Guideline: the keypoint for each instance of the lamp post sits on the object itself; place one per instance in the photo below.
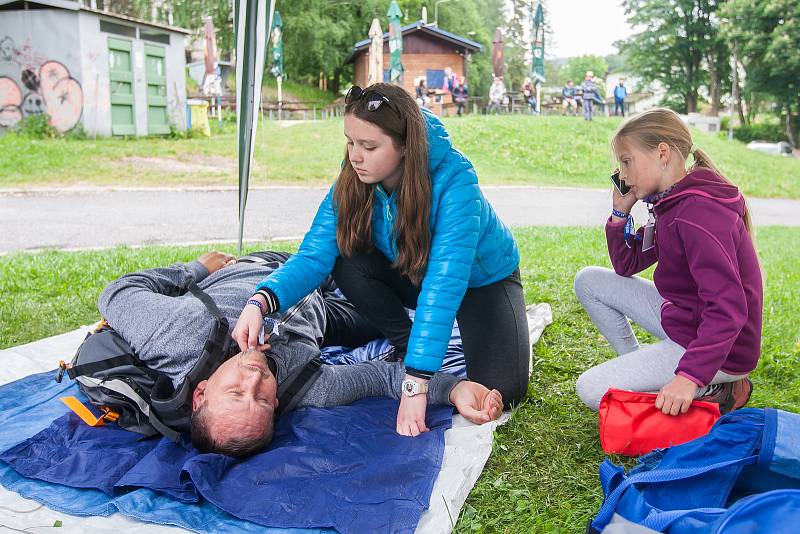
(436, 11)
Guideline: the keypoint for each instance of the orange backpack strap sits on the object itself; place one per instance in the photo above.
(88, 417)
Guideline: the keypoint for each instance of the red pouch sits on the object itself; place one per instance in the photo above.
(631, 425)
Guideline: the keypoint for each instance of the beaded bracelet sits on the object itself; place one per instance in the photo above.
(254, 302)
(620, 214)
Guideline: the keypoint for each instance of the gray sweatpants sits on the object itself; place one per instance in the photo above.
(611, 300)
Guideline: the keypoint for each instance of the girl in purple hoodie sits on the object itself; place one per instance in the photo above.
(705, 302)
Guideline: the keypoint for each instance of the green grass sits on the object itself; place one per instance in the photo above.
(515, 150)
(542, 475)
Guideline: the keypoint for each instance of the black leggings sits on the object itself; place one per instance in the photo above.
(344, 326)
(492, 320)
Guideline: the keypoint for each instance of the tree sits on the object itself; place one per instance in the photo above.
(680, 47)
(554, 72)
(616, 62)
(766, 36)
(191, 14)
(318, 35)
(517, 43)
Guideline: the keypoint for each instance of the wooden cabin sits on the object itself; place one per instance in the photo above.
(427, 52)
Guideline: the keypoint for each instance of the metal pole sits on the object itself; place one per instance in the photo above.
(436, 11)
(734, 93)
(280, 99)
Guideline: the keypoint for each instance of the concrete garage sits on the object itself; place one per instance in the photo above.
(112, 74)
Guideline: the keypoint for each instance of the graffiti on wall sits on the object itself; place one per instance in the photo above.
(47, 87)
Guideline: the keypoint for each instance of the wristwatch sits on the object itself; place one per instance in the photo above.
(412, 387)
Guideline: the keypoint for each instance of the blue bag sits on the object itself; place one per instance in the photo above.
(742, 477)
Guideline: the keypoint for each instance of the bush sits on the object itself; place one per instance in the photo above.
(176, 133)
(37, 127)
(760, 132)
(78, 133)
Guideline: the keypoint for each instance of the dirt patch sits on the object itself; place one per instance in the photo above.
(199, 164)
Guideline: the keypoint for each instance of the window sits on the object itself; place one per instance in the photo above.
(154, 36)
(434, 78)
(117, 29)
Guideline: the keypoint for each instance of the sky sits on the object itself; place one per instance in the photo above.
(585, 27)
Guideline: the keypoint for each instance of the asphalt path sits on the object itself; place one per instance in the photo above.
(91, 218)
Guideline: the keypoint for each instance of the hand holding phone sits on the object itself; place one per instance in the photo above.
(621, 200)
(620, 184)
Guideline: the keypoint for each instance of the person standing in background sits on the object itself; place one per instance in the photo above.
(589, 91)
(620, 93)
(449, 82)
(460, 94)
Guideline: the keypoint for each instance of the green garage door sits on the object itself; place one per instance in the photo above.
(120, 68)
(156, 75)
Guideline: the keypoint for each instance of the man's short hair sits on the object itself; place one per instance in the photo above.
(236, 447)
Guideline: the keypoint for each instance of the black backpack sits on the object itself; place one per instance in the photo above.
(143, 400)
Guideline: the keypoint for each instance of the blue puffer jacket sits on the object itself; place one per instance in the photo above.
(470, 247)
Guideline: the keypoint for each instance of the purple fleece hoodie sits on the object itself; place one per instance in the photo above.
(708, 274)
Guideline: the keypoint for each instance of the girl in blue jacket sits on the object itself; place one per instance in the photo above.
(405, 225)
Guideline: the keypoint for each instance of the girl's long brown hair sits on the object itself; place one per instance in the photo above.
(353, 199)
(661, 125)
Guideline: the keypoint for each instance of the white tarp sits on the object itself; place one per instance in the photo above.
(467, 447)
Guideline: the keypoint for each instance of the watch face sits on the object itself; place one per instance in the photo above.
(408, 387)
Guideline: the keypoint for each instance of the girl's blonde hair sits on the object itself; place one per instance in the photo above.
(660, 125)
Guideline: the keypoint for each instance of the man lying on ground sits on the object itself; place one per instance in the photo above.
(233, 411)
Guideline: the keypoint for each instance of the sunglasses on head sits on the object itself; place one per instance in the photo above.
(372, 97)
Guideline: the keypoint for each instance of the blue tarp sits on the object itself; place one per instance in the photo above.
(453, 362)
(343, 467)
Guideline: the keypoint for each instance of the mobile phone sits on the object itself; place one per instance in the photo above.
(620, 184)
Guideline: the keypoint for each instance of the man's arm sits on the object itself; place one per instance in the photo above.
(344, 384)
(141, 307)
(147, 289)
(150, 288)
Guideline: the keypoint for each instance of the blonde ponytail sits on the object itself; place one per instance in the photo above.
(702, 160)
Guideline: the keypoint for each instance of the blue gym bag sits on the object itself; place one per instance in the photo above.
(742, 477)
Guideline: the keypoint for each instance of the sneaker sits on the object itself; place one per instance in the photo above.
(730, 396)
